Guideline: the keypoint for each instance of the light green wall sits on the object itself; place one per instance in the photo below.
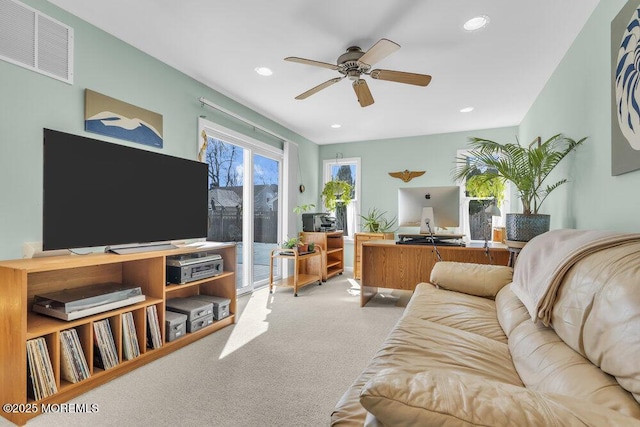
(434, 154)
(30, 102)
(577, 101)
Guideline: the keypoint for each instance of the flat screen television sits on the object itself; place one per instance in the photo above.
(445, 202)
(97, 193)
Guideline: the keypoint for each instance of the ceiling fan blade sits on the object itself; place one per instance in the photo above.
(319, 88)
(362, 92)
(311, 62)
(378, 51)
(401, 77)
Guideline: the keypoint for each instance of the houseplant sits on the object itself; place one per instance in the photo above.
(527, 168)
(336, 192)
(375, 221)
(303, 208)
(337, 195)
(293, 244)
(482, 192)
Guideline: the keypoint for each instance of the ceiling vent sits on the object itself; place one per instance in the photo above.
(35, 41)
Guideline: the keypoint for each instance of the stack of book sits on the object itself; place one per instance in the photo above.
(154, 337)
(105, 353)
(40, 378)
(73, 364)
(130, 347)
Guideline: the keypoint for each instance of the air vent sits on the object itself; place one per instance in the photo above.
(35, 41)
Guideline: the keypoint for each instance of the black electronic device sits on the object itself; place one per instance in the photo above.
(187, 268)
(425, 239)
(98, 193)
(318, 222)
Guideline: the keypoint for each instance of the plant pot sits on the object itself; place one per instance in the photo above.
(303, 248)
(522, 228)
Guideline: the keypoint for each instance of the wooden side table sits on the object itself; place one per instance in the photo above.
(307, 269)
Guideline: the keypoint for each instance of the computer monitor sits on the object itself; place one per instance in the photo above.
(445, 202)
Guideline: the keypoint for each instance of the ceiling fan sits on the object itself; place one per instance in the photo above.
(355, 63)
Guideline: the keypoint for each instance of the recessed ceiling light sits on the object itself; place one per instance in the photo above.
(466, 110)
(264, 71)
(336, 125)
(476, 23)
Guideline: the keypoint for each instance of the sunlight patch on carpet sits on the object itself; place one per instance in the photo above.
(250, 325)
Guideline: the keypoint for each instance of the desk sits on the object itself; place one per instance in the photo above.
(306, 270)
(388, 265)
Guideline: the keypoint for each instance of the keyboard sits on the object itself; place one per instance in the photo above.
(427, 240)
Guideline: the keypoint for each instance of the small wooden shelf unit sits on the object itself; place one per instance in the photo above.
(306, 269)
(332, 244)
(20, 280)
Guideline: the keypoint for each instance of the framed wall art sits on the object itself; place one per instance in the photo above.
(108, 116)
(625, 93)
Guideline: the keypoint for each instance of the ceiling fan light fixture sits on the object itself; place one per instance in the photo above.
(466, 110)
(476, 23)
(263, 71)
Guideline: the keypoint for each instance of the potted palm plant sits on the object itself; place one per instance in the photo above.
(527, 168)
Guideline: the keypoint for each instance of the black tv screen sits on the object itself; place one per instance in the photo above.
(98, 193)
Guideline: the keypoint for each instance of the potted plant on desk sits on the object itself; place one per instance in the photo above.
(527, 168)
(375, 221)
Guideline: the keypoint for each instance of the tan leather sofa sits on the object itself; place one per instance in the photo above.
(468, 351)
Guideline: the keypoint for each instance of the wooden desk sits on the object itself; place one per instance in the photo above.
(388, 265)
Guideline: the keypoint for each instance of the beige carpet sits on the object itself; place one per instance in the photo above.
(286, 362)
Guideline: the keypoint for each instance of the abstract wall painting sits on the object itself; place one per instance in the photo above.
(111, 117)
(625, 89)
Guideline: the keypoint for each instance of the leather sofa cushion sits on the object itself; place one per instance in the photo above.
(510, 310)
(450, 398)
(457, 310)
(546, 364)
(417, 345)
(597, 312)
(474, 279)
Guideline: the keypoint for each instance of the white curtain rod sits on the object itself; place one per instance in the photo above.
(208, 103)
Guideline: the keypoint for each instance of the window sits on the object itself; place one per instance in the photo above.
(346, 170)
(476, 224)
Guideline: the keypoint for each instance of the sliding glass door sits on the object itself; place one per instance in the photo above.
(244, 195)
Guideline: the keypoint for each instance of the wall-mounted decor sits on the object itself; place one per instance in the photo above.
(625, 98)
(406, 175)
(111, 117)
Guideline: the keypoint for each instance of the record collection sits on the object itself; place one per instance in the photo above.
(154, 337)
(73, 364)
(41, 382)
(130, 347)
(105, 353)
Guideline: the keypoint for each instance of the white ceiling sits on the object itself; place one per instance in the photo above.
(499, 70)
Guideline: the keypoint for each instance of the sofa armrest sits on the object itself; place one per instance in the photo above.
(448, 397)
(475, 279)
